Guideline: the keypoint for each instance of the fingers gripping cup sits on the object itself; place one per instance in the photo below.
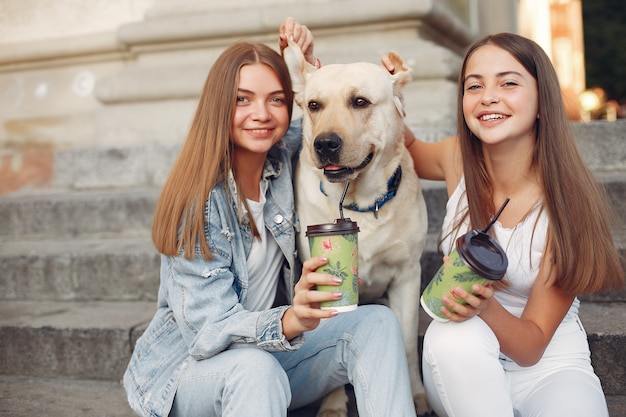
(339, 243)
(477, 259)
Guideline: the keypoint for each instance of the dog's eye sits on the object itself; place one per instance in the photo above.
(313, 105)
(361, 102)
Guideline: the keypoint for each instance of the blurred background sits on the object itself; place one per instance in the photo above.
(111, 73)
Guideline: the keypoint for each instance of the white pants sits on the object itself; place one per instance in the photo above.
(466, 376)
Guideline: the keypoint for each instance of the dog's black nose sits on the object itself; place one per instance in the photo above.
(327, 147)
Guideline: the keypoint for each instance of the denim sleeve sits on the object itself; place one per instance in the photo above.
(293, 137)
(204, 296)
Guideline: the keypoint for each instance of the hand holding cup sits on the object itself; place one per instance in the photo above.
(476, 259)
(305, 314)
(338, 242)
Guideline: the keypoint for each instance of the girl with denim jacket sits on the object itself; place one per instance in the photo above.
(220, 342)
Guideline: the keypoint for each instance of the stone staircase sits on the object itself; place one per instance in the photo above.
(79, 277)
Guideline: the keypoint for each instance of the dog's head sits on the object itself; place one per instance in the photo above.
(352, 113)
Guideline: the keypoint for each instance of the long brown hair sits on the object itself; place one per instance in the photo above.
(579, 232)
(206, 156)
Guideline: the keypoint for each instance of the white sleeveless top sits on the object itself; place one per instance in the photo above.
(524, 245)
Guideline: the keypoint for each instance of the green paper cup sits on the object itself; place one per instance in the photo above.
(339, 243)
(477, 259)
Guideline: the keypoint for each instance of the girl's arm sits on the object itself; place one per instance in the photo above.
(523, 339)
(437, 161)
(433, 161)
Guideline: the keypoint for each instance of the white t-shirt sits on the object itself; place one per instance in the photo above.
(264, 263)
(524, 245)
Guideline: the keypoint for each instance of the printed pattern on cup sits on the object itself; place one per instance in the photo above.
(342, 254)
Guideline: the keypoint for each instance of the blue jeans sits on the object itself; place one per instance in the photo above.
(362, 347)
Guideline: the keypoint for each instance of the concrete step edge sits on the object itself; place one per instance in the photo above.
(121, 269)
(601, 144)
(68, 214)
(94, 340)
(91, 340)
(27, 397)
(91, 245)
(80, 270)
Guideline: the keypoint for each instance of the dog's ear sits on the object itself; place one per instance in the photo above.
(402, 73)
(400, 77)
(299, 70)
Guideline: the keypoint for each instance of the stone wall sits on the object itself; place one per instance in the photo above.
(78, 73)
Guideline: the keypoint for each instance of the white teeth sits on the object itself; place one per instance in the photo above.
(259, 130)
(491, 117)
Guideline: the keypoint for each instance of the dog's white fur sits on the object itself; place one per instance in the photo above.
(359, 107)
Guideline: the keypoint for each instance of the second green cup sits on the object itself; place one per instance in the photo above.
(476, 259)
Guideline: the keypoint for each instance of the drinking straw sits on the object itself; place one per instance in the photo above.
(493, 220)
(343, 196)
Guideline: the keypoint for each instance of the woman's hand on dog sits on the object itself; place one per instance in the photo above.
(291, 29)
(386, 63)
(305, 313)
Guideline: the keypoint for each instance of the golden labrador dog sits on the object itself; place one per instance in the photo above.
(353, 123)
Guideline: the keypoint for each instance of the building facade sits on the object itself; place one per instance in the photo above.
(108, 73)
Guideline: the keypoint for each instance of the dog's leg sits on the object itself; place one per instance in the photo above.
(334, 404)
(404, 301)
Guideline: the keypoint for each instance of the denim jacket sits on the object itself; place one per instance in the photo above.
(199, 308)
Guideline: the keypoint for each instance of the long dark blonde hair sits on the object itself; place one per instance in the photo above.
(579, 232)
(206, 157)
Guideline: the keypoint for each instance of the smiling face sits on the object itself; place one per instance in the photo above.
(500, 98)
(261, 113)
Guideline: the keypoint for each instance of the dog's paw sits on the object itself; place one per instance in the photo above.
(334, 404)
(422, 408)
(333, 413)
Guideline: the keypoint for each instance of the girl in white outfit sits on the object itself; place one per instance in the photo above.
(517, 348)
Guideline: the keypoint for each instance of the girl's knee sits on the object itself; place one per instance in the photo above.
(378, 314)
(569, 393)
(380, 319)
(461, 341)
(261, 367)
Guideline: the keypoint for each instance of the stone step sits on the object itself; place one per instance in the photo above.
(119, 270)
(69, 214)
(70, 340)
(80, 276)
(117, 166)
(605, 324)
(73, 214)
(26, 397)
(79, 270)
(602, 145)
(93, 340)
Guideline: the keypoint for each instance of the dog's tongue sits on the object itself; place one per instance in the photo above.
(332, 168)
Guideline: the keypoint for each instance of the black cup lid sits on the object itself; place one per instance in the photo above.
(340, 227)
(483, 254)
